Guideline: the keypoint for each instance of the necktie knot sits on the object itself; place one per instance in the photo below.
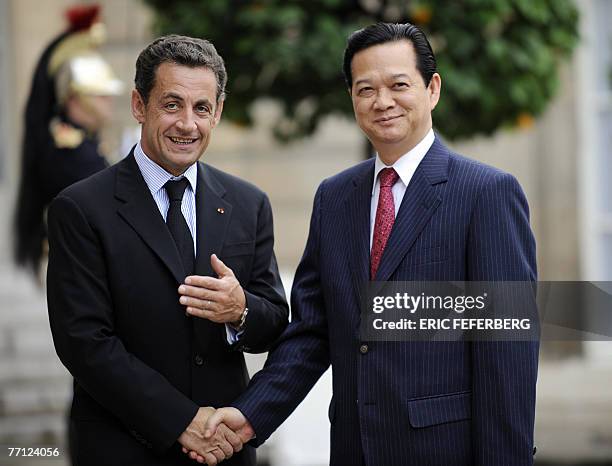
(176, 189)
(388, 177)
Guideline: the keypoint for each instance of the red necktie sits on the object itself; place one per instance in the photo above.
(385, 217)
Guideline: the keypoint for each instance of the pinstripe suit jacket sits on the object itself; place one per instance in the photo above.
(408, 403)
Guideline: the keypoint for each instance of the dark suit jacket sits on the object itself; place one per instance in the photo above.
(408, 403)
(141, 367)
(59, 167)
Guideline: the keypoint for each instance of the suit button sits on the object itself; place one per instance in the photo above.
(363, 349)
(199, 360)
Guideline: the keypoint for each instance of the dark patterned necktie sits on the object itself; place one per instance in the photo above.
(385, 217)
(177, 225)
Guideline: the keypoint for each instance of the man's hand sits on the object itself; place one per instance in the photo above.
(220, 299)
(218, 446)
(230, 418)
(233, 419)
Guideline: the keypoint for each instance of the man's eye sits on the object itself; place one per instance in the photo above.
(365, 91)
(203, 109)
(171, 106)
(400, 85)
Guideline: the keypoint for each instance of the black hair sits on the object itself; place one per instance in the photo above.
(381, 33)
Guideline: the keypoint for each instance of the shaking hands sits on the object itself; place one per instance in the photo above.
(214, 436)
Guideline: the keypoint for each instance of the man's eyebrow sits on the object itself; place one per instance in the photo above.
(171, 95)
(203, 102)
(175, 96)
(362, 81)
(394, 76)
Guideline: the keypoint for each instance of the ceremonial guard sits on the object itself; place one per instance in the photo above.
(70, 101)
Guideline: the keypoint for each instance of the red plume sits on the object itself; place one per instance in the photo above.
(81, 17)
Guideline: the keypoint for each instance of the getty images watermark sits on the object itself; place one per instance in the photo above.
(457, 304)
(486, 311)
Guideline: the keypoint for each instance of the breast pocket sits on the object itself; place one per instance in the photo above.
(239, 258)
(430, 255)
(243, 248)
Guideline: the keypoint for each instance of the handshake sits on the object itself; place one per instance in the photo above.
(215, 435)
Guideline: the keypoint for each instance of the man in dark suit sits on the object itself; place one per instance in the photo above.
(417, 212)
(122, 243)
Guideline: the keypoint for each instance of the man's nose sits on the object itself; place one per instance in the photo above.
(384, 99)
(186, 122)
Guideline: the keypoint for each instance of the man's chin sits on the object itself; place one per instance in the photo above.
(388, 139)
(185, 152)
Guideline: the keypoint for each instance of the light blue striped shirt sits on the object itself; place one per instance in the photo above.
(156, 177)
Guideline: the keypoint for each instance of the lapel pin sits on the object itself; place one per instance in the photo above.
(221, 210)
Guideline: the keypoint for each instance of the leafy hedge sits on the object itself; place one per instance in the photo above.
(498, 59)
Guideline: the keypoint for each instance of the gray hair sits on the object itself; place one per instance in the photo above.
(181, 50)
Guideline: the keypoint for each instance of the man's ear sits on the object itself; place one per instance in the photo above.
(218, 112)
(434, 89)
(138, 107)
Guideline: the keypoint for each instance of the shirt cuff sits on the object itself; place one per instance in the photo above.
(232, 335)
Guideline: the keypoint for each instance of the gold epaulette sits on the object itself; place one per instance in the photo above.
(65, 135)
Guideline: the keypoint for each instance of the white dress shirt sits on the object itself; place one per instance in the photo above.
(405, 167)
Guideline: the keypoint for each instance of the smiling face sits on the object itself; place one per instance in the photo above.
(392, 104)
(179, 117)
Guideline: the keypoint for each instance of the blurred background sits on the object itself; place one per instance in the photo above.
(527, 87)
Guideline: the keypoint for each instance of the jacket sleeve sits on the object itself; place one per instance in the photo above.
(301, 354)
(501, 248)
(265, 296)
(82, 323)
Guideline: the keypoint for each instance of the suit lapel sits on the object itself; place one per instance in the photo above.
(142, 214)
(357, 225)
(213, 218)
(418, 205)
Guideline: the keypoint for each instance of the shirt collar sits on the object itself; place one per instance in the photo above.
(156, 177)
(406, 165)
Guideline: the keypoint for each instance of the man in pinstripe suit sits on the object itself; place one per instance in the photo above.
(416, 212)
